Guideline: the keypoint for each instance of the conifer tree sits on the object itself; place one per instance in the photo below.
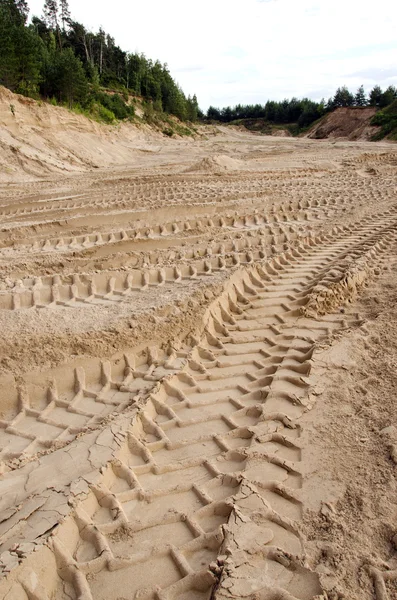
(23, 9)
(64, 13)
(375, 96)
(50, 13)
(343, 97)
(388, 96)
(360, 98)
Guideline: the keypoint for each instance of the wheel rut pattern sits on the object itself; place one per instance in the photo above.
(215, 448)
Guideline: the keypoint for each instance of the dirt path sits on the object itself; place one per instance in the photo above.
(162, 358)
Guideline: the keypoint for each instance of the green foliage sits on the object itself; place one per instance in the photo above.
(360, 98)
(343, 97)
(388, 96)
(288, 111)
(182, 130)
(375, 96)
(58, 58)
(192, 108)
(64, 77)
(387, 120)
(256, 125)
(382, 99)
(149, 114)
(101, 113)
(297, 115)
(20, 49)
(116, 104)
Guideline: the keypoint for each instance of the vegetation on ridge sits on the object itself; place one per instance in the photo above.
(297, 115)
(58, 59)
(387, 120)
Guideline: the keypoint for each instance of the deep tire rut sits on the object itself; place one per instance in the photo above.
(202, 497)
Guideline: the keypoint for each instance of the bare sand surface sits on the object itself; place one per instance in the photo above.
(198, 364)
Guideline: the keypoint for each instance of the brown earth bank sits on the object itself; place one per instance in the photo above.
(197, 364)
(345, 123)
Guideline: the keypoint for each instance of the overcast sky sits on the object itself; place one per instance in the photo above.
(229, 51)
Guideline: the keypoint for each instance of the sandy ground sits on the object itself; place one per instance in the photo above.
(198, 369)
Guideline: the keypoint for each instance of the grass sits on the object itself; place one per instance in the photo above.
(113, 109)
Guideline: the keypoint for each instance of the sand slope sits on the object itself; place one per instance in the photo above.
(40, 139)
(345, 123)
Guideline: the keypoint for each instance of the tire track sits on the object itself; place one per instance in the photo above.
(204, 488)
(293, 211)
(55, 416)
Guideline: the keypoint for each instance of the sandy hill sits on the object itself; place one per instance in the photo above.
(348, 123)
(37, 139)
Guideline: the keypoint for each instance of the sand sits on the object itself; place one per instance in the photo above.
(197, 365)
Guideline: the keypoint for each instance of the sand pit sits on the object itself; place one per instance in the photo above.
(197, 368)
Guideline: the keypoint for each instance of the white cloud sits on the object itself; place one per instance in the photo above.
(228, 51)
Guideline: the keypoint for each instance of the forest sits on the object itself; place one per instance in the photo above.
(58, 59)
(55, 58)
(303, 112)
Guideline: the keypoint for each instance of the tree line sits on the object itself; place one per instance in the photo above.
(57, 58)
(303, 112)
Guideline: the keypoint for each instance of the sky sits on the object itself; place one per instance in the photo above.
(229, 52)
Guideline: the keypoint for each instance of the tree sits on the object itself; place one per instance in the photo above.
(58, 57)
(311, 112)
(9, 18)
(78, 37)
(20, 49)
(388, 96)
(23, 9)
(213, 114)
(360, 97)
(70, 78)
(343, 97)
(29, 54)
(192, 108)
(102, 42)
(375, 96)
(65, 15)
(50, 13)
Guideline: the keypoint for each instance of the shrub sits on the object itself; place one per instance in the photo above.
(101, 113)
(387, 120)
(116, 105)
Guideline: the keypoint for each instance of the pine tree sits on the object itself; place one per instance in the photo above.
(8, 56)
(32, 60)
(360, 98)
(375, 96)
(29, 54)
(388, 96)
(50, 13)
(70, 78)
(23, 9)
(343, 97)
(64, 13)
(102, 45)
(20, 49)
